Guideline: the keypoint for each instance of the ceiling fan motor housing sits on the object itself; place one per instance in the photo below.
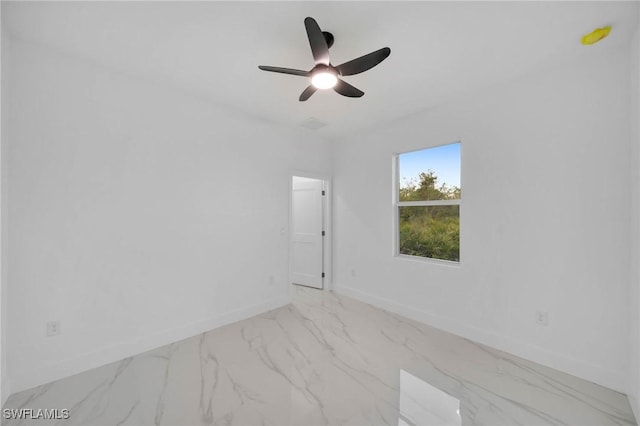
(325, 68)
(328, 37)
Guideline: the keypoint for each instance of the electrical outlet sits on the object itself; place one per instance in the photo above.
(542, 318)
(272, 280)
(53, 328)
(353, 272)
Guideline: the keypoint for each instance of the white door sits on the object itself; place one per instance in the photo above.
(307, 233)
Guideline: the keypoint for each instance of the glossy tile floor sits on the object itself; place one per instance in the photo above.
(326, 359)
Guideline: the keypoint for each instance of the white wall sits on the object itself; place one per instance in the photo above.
(137, 215)
(544, 225)
(634, 296)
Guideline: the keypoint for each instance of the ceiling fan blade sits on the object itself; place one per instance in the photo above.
(364, 63)
(345, 89)
(319, 48)
(284, 70)
(307, 93)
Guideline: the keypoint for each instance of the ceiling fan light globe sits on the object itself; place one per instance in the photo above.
(324, 80)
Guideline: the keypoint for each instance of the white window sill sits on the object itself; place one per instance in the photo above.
(428, 260)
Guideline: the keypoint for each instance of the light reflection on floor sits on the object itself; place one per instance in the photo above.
(424, 404)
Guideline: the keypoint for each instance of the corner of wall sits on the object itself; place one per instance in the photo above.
(633, 389)
(4, 380)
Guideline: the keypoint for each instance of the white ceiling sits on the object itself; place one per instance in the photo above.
(213, 49)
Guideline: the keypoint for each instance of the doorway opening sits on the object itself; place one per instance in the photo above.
(309, 232)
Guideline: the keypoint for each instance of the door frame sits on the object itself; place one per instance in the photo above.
(327, 259)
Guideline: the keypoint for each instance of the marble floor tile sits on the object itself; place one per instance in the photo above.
(325, 359)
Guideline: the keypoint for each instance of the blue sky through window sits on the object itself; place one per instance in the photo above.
(443, 160)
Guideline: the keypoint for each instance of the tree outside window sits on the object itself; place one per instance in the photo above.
(428, 203)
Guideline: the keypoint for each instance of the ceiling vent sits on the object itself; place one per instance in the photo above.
(313, 123)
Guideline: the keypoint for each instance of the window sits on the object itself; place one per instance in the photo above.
(427, 203)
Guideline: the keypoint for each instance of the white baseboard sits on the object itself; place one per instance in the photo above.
(23, 380)
(612, 379)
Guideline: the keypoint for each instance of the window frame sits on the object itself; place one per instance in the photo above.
(397, 204)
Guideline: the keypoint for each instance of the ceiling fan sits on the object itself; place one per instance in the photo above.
(324, 75)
